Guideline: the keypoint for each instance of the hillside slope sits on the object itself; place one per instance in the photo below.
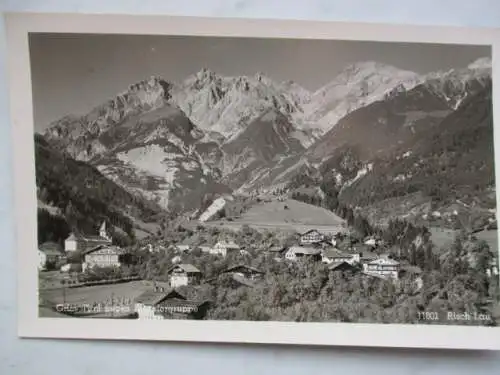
(72, 195)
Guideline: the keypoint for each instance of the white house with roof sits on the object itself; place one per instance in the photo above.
(329, 256)
(311, 237)
(184, 274)
(224, 247)
(79, 242)
(103, 256)
(146, 304)
(295, 253)
(384, 267)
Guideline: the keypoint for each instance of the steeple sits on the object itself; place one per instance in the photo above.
(103, 231)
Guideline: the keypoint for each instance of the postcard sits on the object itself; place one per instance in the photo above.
(255, 181)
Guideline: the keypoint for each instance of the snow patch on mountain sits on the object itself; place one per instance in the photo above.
(213, 209)
(151, 159)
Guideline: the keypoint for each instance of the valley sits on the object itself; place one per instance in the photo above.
(378, 189)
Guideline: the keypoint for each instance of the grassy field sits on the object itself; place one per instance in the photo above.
(491, 238)
(444, 237)
(96, 293)
(297, 216)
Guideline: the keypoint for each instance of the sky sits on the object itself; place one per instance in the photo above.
(73, 73)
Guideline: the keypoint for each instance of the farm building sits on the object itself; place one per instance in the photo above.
(102, 256)
(164, 303)
(311, 237)
(383, 266)
(79, 242)
(245, 271)
(223, 247)
(298, 252)
(329, 256)
(184, 274)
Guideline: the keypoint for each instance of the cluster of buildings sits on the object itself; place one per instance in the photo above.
(96, 251)
(171, 300)
(316, 246)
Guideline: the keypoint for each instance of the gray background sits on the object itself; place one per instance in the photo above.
(80, 357)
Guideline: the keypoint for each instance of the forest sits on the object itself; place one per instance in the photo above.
(82, 197)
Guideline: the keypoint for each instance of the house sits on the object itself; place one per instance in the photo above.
(493, 268)
(223, 247)
(311, 237)
(384, 267)
(183, 274)
(187, 245)
(146, 304)
(102, 256)
(49, 253)
(298, 252)
(78, 242)
(245, 271)
(329, 256)
(342, 267)
(372, 242)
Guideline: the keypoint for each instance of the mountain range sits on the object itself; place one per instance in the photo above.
(175, 143)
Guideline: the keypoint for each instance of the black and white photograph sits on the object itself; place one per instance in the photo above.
(274, 180)
(264, 180)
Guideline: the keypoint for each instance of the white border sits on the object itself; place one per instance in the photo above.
(340, 334)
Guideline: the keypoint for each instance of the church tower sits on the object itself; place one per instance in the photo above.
(103, 231)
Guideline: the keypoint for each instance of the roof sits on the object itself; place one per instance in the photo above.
(116, 249)
(310, 231)
(305, 250)
(243, 281)
(177, 302)
(95, 238)
(231, 269)
(50, 248)
(186, 268)
(153, 297)
(336, 265)
(368, 255)
(228, 244)
(277, 249)
(336, 253)
(386, 261)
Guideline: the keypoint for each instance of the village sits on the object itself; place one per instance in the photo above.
(92, 277)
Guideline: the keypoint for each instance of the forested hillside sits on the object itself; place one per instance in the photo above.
(72, 195)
